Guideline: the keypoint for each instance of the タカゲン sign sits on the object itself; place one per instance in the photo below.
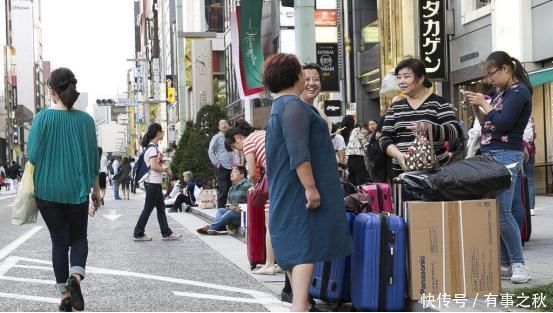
(433, 38)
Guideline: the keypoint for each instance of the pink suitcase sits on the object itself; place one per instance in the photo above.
(380, 197)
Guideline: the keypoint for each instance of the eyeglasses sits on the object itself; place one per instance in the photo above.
(493, 73)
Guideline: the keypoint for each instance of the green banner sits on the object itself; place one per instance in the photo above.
(251, 52)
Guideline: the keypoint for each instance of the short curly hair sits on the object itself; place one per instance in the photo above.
(281, 71)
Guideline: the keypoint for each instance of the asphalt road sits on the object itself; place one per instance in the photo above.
(123, 275)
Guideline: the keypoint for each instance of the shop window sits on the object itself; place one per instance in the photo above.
(472, 10)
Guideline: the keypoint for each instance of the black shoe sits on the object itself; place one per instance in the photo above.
(286, 296)
(75, 295)
(65, 305)
(314, 309)
(187, 209)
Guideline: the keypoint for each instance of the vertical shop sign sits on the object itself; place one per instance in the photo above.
(327, 59)
(251, 51)
(433, 40)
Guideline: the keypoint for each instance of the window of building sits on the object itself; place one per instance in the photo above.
(369, 36)
(214, 15)
(472, 10)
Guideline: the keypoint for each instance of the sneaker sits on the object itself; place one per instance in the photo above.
(521, 274)
(172, 237)
(216, 232)
(278, 270)
(143, 238)
(232, 229)
(532, 213)
(203, 230)
(506, 272)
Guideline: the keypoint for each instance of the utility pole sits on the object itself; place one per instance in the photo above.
(304, 15)
(181, 77)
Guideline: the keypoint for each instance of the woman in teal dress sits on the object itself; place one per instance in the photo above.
(62, 147)
(306, 215)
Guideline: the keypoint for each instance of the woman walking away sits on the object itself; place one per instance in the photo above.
(152, 183)
(306, 215)
(124, 178)
(62, 147)
(503, 122)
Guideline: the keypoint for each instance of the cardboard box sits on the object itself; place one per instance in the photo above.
(453, 248)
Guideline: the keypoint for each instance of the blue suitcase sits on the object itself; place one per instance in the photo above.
(331, 279)
(378, 263)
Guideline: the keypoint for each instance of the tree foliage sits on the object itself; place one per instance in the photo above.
(192, 150)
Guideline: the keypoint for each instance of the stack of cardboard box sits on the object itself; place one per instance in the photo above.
(453, 248)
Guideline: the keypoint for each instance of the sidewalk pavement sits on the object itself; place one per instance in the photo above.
(538, 253)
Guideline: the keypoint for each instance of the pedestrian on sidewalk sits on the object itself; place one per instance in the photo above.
(62, 146)
(133, 173)
(419, 107)
(116, 174)
(2, 176)
(529, 138)
(243, 137)
(13, 175)
(103, 172)
(306, 216)
(227, 219)
(503, 122)
(152, 183)
(125, 177)
(186, 194)
(222, 163)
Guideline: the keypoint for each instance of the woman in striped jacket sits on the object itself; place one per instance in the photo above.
(422, 107)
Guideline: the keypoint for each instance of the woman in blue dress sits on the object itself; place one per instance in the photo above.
(306, 215)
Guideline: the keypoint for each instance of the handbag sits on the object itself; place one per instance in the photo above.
(25, 210)
(260, 193)
(420, 154)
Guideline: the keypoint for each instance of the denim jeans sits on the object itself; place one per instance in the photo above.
(225, 217)
(510, 207)
(529, 171)
(67, 224)
(116, 189)
(154, 198)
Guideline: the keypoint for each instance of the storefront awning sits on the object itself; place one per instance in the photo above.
(541, 77)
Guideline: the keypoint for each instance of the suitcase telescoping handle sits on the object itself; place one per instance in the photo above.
(397, 184)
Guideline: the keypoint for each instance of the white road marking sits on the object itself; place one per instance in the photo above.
(28, 280)
(260, 296)
(4, 252)
(267, 300)
(112, 215)
(31, 298)
(7, 197)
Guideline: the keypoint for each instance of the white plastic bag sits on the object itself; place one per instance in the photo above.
(390, 85)
(25, 210)
(208, 199)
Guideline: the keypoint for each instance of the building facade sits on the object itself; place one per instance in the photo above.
(30, 87)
